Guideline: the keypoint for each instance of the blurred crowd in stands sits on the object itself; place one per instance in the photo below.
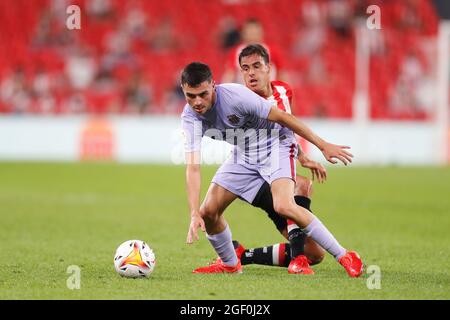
(127, 57)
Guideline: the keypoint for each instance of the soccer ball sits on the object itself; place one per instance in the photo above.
(134, 259)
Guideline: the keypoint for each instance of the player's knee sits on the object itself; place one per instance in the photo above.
(209, 212)
(314, 252)
(316, 258)
(303, 187)
(284, 208)
(284, 233)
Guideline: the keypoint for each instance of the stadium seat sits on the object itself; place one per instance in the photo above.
(194, 28)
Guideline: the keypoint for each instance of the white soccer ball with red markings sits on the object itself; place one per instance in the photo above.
(134, 259)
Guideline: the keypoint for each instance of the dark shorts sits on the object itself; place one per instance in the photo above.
(264, 200)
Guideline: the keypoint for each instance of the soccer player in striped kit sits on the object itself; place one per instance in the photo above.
(234, 111)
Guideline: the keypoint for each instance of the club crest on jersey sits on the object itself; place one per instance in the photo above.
(234, 119)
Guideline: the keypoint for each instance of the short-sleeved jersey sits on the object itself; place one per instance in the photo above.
(237, 110)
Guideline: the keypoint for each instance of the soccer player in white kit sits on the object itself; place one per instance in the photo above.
(230, 110)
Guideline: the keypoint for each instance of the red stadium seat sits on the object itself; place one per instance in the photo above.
(193, 27)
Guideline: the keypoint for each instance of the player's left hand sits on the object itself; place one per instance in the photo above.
(196, 222)
(318, 171)
(331, 152)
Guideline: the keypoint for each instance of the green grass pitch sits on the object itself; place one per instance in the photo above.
(57, 215)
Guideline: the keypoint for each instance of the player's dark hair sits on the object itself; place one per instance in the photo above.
(252, 21)
(254, 49)
(195, 73)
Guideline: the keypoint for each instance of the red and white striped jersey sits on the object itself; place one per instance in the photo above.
(282, 98)
(282, 95)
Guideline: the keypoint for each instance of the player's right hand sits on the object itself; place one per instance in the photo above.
(332, 151)
(196, 222)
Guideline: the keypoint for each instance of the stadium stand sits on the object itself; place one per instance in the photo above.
(128, 54)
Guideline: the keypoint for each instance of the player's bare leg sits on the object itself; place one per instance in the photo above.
(300, 258)
(304, 189)
(313, 252)
(285, 205)
(283, 199)
(217, 199)
(218, 233)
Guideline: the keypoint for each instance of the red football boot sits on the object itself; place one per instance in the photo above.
(352, 264)
(219, 267)
(300, 265)
(239, 251)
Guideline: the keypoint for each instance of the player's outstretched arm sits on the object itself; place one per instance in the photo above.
(193, 179)
(330, 151)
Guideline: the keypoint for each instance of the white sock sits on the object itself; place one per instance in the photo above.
(320, 234)
(222, 243)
